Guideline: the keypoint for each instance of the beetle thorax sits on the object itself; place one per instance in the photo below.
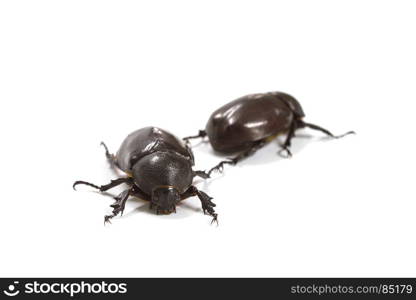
(163, 169)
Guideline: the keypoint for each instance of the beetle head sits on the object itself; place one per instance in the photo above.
(164, 199)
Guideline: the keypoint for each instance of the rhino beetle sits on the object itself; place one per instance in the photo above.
(159, 169)
(246, 124)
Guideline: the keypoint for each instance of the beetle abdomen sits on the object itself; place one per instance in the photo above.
(294, 104)
(238, 124)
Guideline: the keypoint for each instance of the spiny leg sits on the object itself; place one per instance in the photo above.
(201, 174)
(220, 166)
(288, 141)
(118, 206)
(302, 124)
(201, 134)
(233, 161)
(105, 187)
(207, 204)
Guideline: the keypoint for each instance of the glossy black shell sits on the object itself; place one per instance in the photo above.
(162, 169)
(148, 140)
(236, 125)
(156, 158)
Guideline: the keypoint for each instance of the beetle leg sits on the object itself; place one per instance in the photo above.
(201, 134)
(220, 166)
(302, 124)
(233, 161)
(118, 206)
(287, 143)
(110, 157)
(201, 174)
(105, 187)
(207, 204)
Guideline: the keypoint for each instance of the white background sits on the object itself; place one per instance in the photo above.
(73, 73)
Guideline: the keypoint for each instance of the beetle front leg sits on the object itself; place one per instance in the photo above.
(201, 134)
(119, 205)
(207, 204)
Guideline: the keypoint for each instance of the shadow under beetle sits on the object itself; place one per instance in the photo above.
(159, 169)
(246, 124)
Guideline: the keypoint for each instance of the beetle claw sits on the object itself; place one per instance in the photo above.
(107, 219)
(287, 155)
(214, 219)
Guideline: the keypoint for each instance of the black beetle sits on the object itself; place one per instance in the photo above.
(159, 169)
(248, 123)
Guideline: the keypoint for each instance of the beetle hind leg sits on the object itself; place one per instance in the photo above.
(301, 124)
